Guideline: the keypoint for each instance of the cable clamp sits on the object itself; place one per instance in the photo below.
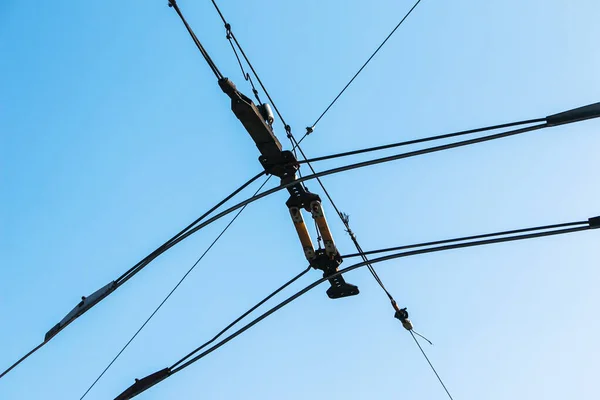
(309, 130)
(402, 315)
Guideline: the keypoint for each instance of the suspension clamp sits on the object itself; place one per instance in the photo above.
(339, 287)
(402, 315)
(281, 165)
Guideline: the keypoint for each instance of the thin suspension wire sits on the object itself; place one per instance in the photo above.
(421, 336)
(310, 129)
(172, 291)
(230, 32)
(146, 260)
(246, 75)
(244, 315)
(209, 61)
(359, 265)
(431, 365)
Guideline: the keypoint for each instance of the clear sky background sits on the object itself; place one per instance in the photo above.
(115, 135)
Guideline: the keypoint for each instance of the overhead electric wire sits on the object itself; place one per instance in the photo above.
(141, 264)
(36, 348)
(209, 61)
(593, 223)
(550, 122)
(175, 239)
(423, 140)
(462, 239)
(362, 165)
(311, 128)
(355, 166)
(430, 364)
(244, 315)
(172, 291)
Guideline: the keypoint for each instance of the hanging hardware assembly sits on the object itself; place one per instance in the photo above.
(258, 121)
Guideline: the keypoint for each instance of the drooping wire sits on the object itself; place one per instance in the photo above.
(312, 127)
(431, 365)
(421, 336)
(172, 291)
(179, 366)
(209, 61)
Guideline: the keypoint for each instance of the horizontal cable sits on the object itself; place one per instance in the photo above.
(437, 242)
(423, 140)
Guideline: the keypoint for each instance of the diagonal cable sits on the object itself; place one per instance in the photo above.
(431, 365)
(310, 129)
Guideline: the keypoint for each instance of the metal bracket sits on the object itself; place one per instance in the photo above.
(339, 287)
(143, 384)
(85, 304)
(252, 119)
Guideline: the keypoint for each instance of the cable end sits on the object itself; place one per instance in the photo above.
(594, 222)
(143, 384)
(574, 115)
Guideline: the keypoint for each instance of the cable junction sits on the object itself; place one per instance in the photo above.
(566, 117)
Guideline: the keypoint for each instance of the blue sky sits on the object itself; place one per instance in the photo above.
(115, 135)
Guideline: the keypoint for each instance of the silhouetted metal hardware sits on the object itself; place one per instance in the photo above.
(402, 315)
(594, 222)
(283, 164)
(574, 115)
(143, 384)
(252, 119)
(329, 266)
(85, 304)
